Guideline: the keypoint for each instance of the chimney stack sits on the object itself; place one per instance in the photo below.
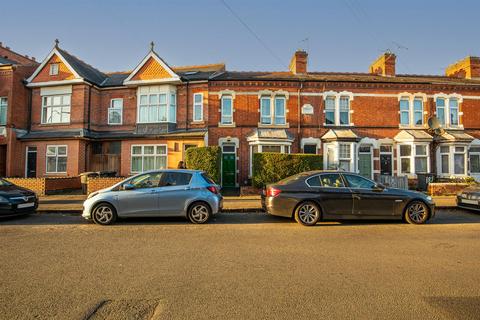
(298, 64)
(384, 65)
(467, 68)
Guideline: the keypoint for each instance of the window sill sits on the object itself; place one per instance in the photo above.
(404, 126)
(198, 122)
(54, 124)
(115, 124)
(225, 125)
(338, 125)
(278, 126)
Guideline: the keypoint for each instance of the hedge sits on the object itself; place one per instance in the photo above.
(206, 159)
(273, 167)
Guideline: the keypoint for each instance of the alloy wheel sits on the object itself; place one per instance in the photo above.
(308, 214)
(103, 214)
(200, 213)
(417, 212)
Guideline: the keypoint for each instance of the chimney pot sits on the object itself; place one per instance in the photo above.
(298, 63)
(384, 65)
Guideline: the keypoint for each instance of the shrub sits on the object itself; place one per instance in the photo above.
(273, 167)
(206, 159)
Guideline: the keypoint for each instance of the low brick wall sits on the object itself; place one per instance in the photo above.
(94, 184)
(37, 185)
(53, 185)
(250, 191)
(446, 188)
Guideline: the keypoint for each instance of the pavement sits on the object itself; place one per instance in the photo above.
(239, 266)
(72, 203)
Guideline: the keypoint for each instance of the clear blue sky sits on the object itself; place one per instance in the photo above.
(344, 35)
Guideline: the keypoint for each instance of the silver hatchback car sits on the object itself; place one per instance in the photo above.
(160, 193)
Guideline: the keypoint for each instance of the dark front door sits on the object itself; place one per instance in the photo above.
(228, 170)
(386, 164)
(31, 169)
(3, 161)
(368, 200)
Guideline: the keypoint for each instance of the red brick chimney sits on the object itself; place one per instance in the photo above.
(298, 64)
(466, 68)
(384, 65)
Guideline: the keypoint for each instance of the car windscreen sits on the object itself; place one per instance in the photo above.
(4, 183)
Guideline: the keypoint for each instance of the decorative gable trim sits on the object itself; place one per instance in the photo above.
(152, 55)
(44, 63)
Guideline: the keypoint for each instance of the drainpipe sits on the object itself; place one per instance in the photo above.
(186, 106)
(299, 120)
(87, 142)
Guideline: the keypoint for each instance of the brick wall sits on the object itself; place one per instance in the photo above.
(443, 189)
(37, 185)
(95, 184)
(53, 185)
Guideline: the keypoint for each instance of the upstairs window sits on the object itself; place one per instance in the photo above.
(411, 111)
(3, 111)
(337, 110)
(226, 110)
(273, 111)
(54, 69)
(448, 110)
(56, 109)
(157, 108)
(198, 107)
(115, 112)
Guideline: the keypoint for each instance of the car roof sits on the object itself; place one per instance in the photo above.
(173, 170)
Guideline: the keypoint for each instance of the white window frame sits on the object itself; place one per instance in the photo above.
(56, 158)
(411, 157)
(45, 98)
(170, 106)
(337, 97)
(451, 159)
(447, 109)
(335, 147)
(411, 98)
(197, 105)
(3, 108)
(143, 155)
(54, 69)
(222, 115)
(118, 109)
(475, 153)
(272, 116)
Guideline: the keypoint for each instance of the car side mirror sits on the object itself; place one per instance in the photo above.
(128, 186)
(378, 187)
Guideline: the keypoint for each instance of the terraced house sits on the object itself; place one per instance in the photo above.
(374, 123)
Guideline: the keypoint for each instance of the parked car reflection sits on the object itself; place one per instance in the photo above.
(313, 196)
(162, 193)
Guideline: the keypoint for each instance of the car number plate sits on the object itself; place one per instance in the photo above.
(469, 201)
(25, 205)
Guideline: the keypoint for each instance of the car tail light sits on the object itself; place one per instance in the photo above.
(272, 192)
(213, 189)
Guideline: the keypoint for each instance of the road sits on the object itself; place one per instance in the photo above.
(240, 266)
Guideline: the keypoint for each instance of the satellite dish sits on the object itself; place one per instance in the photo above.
(434, 123)
(439, 131)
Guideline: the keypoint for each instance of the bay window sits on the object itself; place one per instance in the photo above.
(273, 110)
(474, 153)
(226, 110)
(56, 109)
(148, 157)
(3, 111)
(413, 158)
(157, 107)
(115, 112)
(444, 159)
(344, 157)
(452, 160)
(198, 107)
(459, 160)
(56, 157)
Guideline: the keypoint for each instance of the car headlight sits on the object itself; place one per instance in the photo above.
(93, 194)
(429, 198)
(3, 200)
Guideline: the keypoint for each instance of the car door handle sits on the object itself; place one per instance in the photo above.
(357, 197)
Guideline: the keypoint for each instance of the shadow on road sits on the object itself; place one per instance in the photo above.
(443, 216)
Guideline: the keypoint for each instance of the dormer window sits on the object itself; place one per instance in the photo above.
(54, 69)
(157, 104)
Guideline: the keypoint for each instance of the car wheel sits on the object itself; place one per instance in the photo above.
(199, 212)
(104, 214)
(307, 213)
(416, 212)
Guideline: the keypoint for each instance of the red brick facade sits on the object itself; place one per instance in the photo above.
(353, 120)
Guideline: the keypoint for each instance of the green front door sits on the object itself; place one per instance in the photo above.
(228, 170)
(365, 165)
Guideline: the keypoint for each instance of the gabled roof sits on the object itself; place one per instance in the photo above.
(455, 136)
(340, 134)
(413, 135)
(270, 134)
(164, 71)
